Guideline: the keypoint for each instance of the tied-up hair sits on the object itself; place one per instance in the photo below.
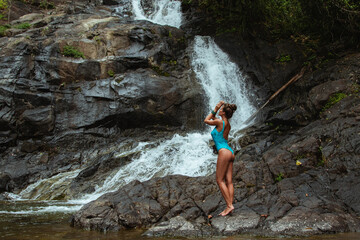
(229, 109)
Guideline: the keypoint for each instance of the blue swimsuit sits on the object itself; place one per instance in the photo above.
(220, 141)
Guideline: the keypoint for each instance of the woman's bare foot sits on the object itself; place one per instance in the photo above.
(227, 211)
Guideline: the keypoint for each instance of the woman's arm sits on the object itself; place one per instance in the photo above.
(211, 119)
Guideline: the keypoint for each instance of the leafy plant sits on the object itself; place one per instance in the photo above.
(284, 58)
(3, 29)
(3, 4)
(111, 73)
(70, 51)
(279, 177)
(24, 25)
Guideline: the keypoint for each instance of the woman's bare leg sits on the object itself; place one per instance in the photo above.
(224, 171)
(230, 187)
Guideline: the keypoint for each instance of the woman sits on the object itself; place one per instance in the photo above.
(224, 166)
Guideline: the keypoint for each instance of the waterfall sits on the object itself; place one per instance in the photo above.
(186, 155)
(163, 12)
(221, 79)
(190, 155)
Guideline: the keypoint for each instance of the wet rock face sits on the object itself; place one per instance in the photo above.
(295, 174)
(126, 76)
(289, 179)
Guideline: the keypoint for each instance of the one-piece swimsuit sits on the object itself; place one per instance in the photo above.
(220, 141)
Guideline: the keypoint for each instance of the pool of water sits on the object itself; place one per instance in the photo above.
(49, 220)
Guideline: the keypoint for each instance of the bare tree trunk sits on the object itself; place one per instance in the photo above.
(9, 9)
(292, 80)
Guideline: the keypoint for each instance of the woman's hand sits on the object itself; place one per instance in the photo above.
(218, 106)
(211, 118)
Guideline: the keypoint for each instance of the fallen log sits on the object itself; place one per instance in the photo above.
(292, 80)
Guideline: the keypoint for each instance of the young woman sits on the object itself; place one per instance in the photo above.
(224, 165)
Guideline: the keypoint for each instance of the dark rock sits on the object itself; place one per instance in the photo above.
(298, 182)
(4, 183)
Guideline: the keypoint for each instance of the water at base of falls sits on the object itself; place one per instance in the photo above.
(55, 226)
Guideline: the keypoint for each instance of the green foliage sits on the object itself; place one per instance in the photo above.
(279, 177)
(284, 58)
(111, 73)
(70, 51)
(334, 18)
(24, 25)
(327, 20)
(3, 29)
(3, 4)
(333, 100)
(98, 39)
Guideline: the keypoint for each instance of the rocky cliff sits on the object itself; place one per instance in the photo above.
(296, 173)
(77, 79)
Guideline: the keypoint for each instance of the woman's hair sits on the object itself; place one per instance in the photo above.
(229, 109)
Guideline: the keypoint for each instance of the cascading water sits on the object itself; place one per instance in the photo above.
(163, 12)
(186, 155)
(190, 155)
(221, 79)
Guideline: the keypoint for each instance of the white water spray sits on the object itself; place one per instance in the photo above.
(164, 12)
(221, 79)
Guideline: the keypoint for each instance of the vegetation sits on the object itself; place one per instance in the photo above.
(333, 100)
(3, 4)
(284, 58)
(111, 73)
(70, 51)
(24, 25)
(279, 177)
(3, 28)
(324, 20)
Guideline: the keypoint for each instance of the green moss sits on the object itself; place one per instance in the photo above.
(24, 25)
(70, 51)
(284, 58)
(279, 177)
(111, 73)
(3, 29)
(333, 100)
